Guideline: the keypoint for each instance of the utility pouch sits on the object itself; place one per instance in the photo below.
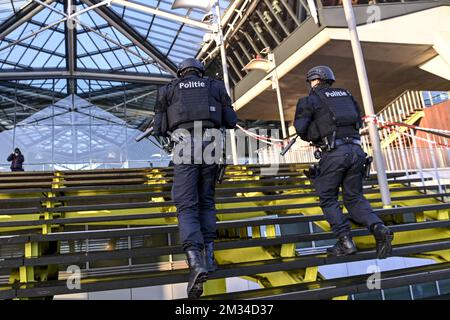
(330, 142)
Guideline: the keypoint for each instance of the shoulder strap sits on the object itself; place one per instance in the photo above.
(170, 88)
(175, 82)
(325, 103)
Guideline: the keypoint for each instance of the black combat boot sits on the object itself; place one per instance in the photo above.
(383, 237)
(211, 264)
(343, 247)
(198, 273)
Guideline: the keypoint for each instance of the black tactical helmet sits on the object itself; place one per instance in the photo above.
(190, 63)
(323, 73)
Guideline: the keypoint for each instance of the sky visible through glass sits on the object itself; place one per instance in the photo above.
(99, 45)
(101, 48)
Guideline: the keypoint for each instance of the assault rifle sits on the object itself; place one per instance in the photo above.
(289, 146)
(223, 164)
(162, 142)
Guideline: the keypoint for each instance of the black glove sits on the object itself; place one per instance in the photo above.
(313, 172)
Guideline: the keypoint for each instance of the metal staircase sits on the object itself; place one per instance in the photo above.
(119, 227)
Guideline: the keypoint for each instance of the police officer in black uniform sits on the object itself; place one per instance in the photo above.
(185, 103)
(330, 118)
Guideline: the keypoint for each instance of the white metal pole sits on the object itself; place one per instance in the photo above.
(417, 156)
(434, 162)
(368, 104)
(403, 155)
(276, 82)
(15, 117)
(280, 108)
(226, 78)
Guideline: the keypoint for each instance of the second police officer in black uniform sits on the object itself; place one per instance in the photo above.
(185, 103)
(330, 118)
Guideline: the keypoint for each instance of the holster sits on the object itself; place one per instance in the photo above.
(367, 165)
(329, 143)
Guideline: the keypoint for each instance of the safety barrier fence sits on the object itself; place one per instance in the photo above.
(396, 158)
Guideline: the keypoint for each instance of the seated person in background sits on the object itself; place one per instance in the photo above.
(17, 159)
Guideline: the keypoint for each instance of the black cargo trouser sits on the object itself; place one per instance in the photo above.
(193, 193)
(344, 166)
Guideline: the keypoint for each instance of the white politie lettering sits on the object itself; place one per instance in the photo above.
(192, 84)
(336, 94)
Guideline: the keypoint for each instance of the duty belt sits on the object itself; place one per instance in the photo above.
(339, 142)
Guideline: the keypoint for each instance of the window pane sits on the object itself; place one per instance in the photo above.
(371, 295)
(322, 243)
(401, 293)
(424, 290)
(444, 286)
(297, 228)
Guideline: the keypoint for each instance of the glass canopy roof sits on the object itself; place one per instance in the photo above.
(114, 55)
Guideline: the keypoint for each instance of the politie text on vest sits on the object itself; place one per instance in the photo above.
(336, 93)
(192, 84)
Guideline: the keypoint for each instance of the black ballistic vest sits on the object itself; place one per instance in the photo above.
(192, 101)
(337, 113)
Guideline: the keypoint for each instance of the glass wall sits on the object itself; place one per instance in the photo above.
(434, 97)
(413, 292)
(74, 134)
